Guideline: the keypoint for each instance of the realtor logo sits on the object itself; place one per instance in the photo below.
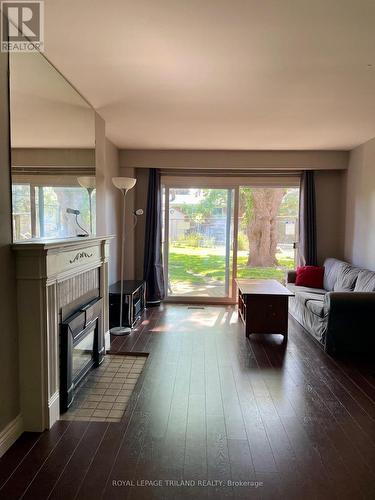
(22, 26)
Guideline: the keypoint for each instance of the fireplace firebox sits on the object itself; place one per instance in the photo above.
(81, 348)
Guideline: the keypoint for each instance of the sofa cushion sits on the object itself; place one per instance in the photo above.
(305, 289)
(316, 307)
(365, 281)
(346, 278)
(310, 276)
(332, 268)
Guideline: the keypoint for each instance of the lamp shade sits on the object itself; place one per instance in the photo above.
(87, 182)
(124, 183)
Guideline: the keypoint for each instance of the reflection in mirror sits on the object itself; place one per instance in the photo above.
(53, 153)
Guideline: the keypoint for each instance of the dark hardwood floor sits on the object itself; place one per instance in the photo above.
(211, 405)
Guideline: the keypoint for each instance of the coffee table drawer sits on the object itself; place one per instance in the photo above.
(266, 314)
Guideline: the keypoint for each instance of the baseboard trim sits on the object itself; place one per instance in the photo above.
(107, 341)
(53, 409)
(10, 434)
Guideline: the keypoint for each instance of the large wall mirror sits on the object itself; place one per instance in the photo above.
(52, 152)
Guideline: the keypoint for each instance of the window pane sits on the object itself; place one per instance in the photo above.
(41, 211)
(21, 212)
(200, 241)
(51, 211)
(267, 231)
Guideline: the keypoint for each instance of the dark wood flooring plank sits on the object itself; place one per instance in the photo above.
(47, 476)
(270, 486)
(16, 453)
(242, 470)
(211, 405)
(70, 480)
(195, 458)
(124, 461)
(356, 467)
(218, 462)
(283, 453)
(94, 480)
(34, 460)
(139, 452)
(102, 475)
(304, 447)
(173, 456)
(314, 420)
(341, 414)
(358, 406)
(250, 386)
(129, 341)
(234, 422)
(362, 380)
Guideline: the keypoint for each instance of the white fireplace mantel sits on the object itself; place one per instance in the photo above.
(43, 266)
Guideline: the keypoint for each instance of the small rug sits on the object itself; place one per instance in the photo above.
(104, 394)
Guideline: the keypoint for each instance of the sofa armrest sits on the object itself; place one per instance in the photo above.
(291, 276)
(351, 321)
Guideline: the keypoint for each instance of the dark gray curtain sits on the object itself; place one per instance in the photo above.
(153, 262)
(307, 220)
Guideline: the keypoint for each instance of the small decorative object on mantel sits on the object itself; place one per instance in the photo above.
(77, 213)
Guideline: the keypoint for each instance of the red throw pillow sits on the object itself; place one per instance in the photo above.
(311, 276)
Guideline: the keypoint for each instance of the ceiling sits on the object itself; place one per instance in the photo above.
(214, 74)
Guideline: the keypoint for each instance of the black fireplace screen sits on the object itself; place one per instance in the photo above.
(83, 352)
(81, 348)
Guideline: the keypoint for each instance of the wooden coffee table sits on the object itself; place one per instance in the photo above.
(263, 306)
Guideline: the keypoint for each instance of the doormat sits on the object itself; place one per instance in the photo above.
(104, 394)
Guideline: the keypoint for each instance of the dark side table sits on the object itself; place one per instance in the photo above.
(134, 302)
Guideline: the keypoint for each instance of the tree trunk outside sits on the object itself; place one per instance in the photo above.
(262, 227)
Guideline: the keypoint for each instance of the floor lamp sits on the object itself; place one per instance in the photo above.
(124, 184)
(90, 184)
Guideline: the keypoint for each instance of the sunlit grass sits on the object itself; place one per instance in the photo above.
(207, 265)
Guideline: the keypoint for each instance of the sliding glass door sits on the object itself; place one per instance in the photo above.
(215, 233)
(198, 242)
(267, 231)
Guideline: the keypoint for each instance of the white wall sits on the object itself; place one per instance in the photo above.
(141, 202)
(108, 197)
(53, 157)
(247, 160)
(129, 226)
(9, 388)
(360, 206)
(330, 213)
(100, 169)
(113, 209)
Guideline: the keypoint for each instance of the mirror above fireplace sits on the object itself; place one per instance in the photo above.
(52, 148)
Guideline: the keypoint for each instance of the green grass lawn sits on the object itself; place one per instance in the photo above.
(203, 265)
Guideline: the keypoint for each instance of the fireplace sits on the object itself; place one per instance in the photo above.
(56, 279)
(81, 348)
